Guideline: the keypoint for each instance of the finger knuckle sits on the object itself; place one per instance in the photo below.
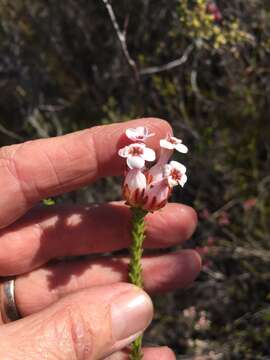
(74, 335)
(16, 250)
(10, 168)
(9, 255)
(8, 158)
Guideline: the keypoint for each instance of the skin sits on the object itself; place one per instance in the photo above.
(65, 305)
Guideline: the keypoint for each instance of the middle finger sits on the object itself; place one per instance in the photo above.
(48, 233)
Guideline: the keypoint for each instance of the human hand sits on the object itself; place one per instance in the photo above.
(81, 309)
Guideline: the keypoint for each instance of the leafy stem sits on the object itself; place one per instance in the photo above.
(135, 267)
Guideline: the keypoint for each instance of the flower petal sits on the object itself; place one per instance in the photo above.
(141, 130)
(174, 140)
(140, 133)
(124, 152)
(183, 180)
(181, 148)
(166, 144)
(131, 134)
(135, 162)
(141, 145)
(177, 165)
(172, 182)
(149, 154)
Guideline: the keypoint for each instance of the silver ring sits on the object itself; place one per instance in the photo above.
(8, 308)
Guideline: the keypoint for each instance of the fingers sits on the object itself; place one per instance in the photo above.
(41, 168)
(42, 287)
(149, 353)
(58, 231)
(159, 353)
(90, 324)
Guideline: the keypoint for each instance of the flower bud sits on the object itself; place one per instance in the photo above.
(157, 195)
(134, 187)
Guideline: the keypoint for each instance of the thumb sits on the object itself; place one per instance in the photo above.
(89, 324)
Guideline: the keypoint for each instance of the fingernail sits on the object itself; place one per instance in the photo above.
(131, 312)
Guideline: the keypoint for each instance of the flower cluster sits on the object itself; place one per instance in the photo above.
(145, 188)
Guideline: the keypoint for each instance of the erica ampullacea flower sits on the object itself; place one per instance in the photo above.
(146, 189)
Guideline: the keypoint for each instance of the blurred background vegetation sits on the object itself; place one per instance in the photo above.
(205, 67)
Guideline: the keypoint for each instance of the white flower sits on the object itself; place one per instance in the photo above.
(150, 188)
(172, 143)
(136, 155)
(175, 173)
(140, 133)
(134, 187)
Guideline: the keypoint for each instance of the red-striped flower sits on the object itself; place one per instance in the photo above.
(146, 188)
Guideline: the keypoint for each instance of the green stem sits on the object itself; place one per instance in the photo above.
(135, 267)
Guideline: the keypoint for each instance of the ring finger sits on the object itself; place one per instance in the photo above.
(40, 288)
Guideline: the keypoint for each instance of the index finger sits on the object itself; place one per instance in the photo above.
(41, 168)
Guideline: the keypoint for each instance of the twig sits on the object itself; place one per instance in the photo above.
(214, 356)
(263, 255)
(195, 87)
(52, 109)
(166, 67)
(57, 124)
(170, 65)
(10, 133)
(225, 207)
(214, 274)
(122, 38)
(150, 70)
(32, 119)
(242, 253)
